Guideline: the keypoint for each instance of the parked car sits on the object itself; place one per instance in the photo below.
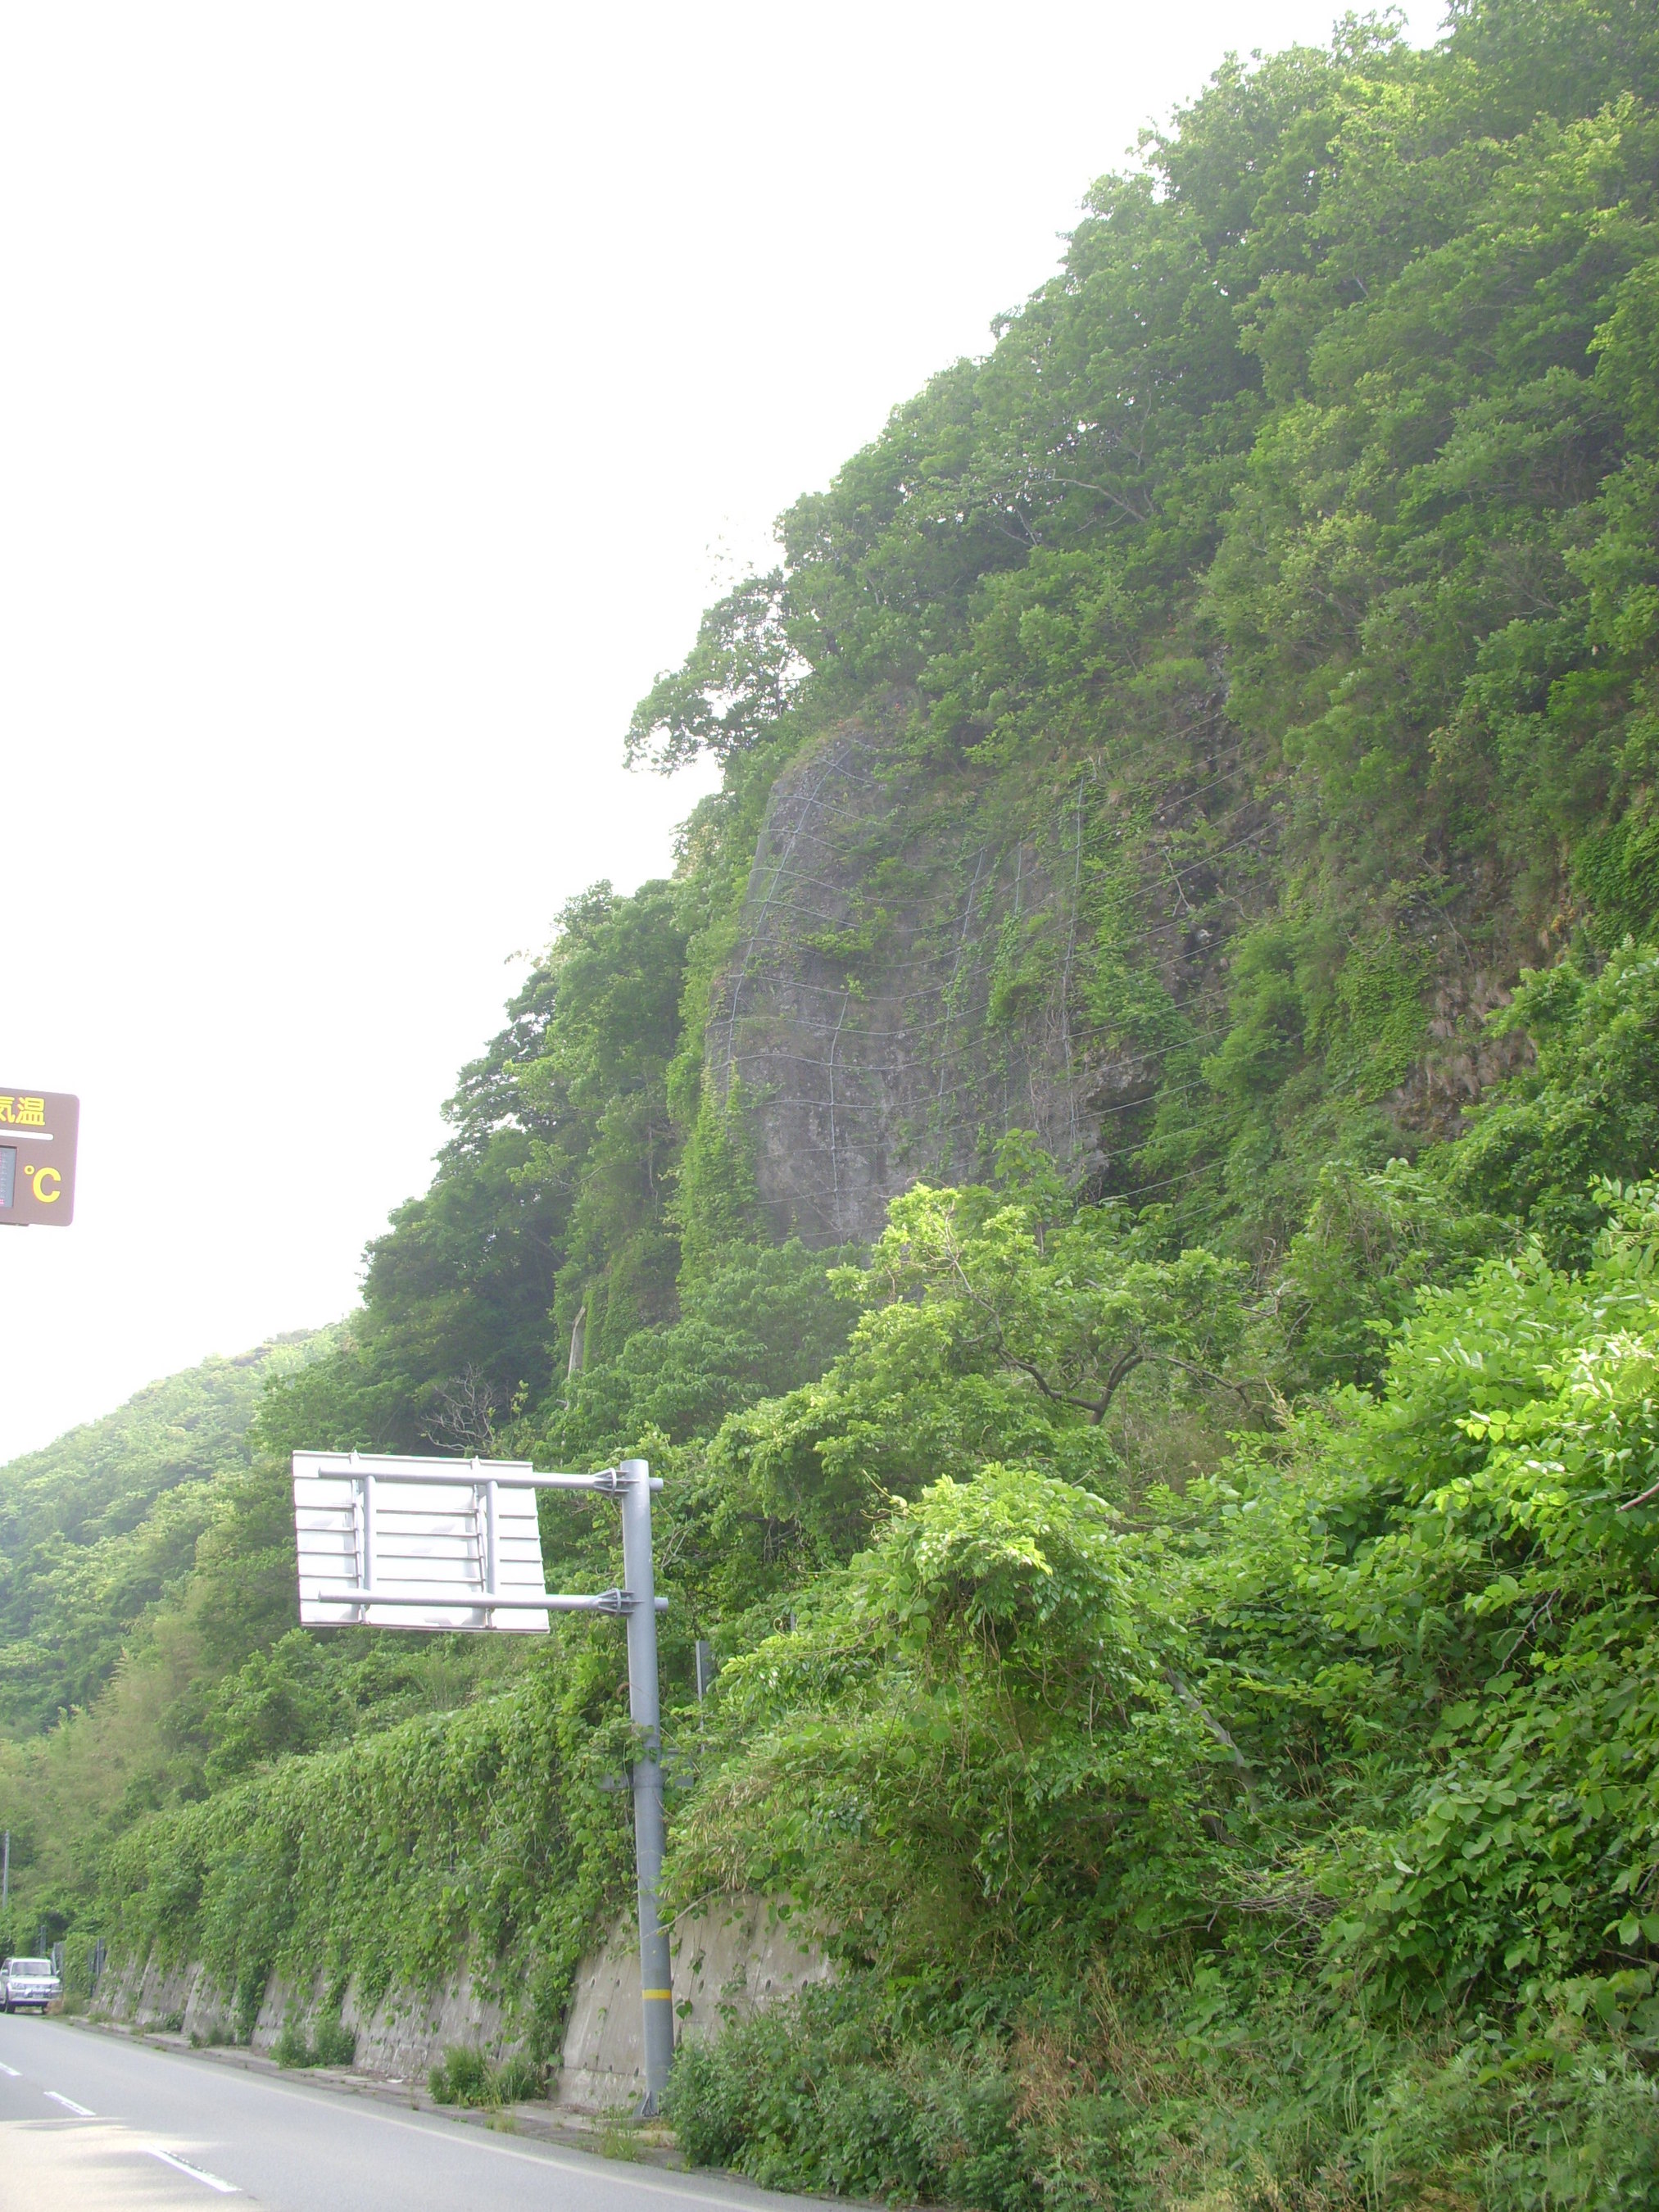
(27, 1984)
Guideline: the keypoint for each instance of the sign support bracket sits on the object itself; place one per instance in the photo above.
(475, 1560)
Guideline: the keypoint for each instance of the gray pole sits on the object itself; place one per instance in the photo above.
(656, 1982)
(5, 1878)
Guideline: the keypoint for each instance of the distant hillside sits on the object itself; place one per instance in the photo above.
(99, 1524)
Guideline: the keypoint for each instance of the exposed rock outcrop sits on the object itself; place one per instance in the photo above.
(927, 958)
(902, 992)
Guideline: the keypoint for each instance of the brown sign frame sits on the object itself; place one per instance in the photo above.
(40, 1130)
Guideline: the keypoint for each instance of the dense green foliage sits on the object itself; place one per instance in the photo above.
(378, 1859)
(1187, 1612)
(1362, 1731)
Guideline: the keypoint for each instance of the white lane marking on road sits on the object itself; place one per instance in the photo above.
(685, 2189)
(196, 2172)
(70, 2104)
(11, 2073)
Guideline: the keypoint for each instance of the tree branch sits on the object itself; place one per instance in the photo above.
(1195, 1705)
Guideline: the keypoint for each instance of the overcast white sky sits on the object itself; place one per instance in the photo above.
(380, 386)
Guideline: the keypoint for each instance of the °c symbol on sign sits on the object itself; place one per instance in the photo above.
(42, 1177)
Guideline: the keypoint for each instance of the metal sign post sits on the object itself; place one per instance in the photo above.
(38, 1130)
(393, 1542)
(656, 1971)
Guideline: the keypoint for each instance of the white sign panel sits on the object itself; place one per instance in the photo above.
(397, 1542)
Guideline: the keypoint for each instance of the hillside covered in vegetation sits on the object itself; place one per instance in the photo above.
(1116, 1183)
(95, 1528)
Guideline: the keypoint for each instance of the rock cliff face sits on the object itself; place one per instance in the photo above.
(932, 955)
(916, 968)
(901, 993)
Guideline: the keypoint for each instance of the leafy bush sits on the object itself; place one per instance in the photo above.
(1377, 1697)
(1001, 1324)
(518, 2079)
(987, 1720)
(465, 2076)
(462, 2076)
(1259, 2111)
(331, 2043)
(1587, 1110)
(816, 2095)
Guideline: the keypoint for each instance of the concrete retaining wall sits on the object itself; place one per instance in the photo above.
(730, 1957)
(398, 2038)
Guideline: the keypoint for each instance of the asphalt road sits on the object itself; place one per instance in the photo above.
(88, 2124)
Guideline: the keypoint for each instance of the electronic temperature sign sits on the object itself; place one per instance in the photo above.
(37, 1158)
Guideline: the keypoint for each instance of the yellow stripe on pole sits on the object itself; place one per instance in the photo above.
(666, 1995)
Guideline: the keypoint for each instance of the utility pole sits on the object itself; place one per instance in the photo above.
(656, 1973)
(5, 1876)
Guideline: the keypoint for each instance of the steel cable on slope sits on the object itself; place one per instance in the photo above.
(814, 802)
(772, 963)
(756, 972)
(754, 968)
(901, 1067)
(748, 967)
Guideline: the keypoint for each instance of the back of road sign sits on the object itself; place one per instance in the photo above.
(38, 1130)
(432, 1538)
